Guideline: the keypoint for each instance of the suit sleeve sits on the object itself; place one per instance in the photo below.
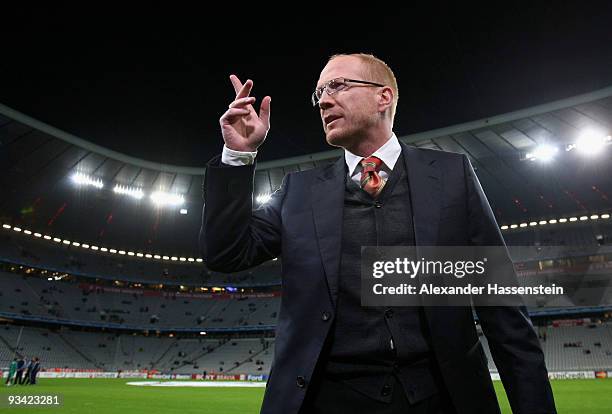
(233, 237)
(513, 342)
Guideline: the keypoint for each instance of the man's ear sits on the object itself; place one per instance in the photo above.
(385, 98)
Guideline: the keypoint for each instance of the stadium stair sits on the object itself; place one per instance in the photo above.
(11, 348)
(78, 351)
(249, 359)
(172, 345)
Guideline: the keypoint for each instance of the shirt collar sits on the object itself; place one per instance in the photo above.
(388, 153)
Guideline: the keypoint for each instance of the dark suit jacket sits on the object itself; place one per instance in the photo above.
(302, 224)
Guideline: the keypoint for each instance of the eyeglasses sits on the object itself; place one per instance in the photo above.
(335, 85)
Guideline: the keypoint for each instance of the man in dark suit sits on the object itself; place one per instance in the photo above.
(34, 371)
(332, 354)
(21, 364)
(28, 371)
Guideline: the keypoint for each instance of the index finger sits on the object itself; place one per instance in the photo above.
(240, 89)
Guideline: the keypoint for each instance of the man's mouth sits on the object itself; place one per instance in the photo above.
(330, 119)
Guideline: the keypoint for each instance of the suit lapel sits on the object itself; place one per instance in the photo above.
(327, 194)
(425, 193)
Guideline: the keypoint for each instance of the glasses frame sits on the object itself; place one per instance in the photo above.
(319, 91)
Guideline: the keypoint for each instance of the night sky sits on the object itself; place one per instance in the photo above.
(152, 83)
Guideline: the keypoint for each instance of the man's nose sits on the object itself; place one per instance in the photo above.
(326, 101)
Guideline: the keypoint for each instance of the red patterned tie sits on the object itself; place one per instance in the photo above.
(371, 182)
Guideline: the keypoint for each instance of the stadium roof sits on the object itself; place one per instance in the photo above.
(38, 160)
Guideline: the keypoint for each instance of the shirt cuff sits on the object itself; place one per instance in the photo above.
(237, 158)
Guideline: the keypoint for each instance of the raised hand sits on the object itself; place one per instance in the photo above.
(242, 128)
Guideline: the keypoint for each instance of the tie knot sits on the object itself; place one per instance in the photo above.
(371, 164)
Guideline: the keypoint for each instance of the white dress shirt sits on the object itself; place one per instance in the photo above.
(388, 154)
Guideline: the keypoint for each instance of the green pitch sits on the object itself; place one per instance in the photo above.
(102, 396)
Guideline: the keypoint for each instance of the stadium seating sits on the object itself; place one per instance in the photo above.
(566, 348)
(67, 301)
